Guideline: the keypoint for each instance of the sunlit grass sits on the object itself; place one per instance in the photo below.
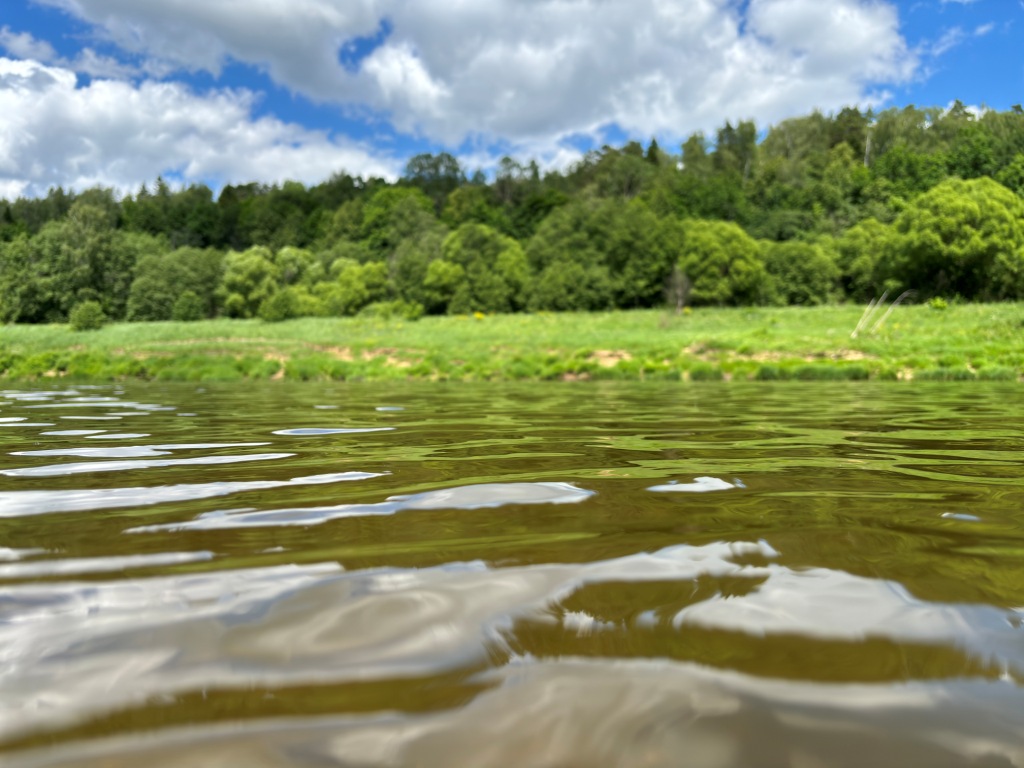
(961, 342)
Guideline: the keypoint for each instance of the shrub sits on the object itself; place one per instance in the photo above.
(187, 307)
(387, 310)
(87, 316)
(280, 306)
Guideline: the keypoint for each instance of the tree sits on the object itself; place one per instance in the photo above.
(87, 316)
(437, 175)
(392, 214)
(79, 258)
(640, 251)
(723, 264)
(249, 277)
(863, 253)
(496, 269)
(440, 285)
(962, 237)
(802, 273)
(162, 278)
(567, 285)
(1012, 175)
(696, 160)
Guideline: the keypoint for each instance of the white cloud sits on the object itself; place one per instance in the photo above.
(115, 133)
(23, 46)
(529, 71)
(950, 39)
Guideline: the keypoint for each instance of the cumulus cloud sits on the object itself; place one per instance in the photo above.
(528, 71)
(115, 133)
(527, 77)
(25, 46)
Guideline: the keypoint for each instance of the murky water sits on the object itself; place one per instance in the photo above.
(535, 575)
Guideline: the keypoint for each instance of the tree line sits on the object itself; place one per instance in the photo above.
(816, 209)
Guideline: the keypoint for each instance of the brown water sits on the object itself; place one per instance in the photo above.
(533, 575)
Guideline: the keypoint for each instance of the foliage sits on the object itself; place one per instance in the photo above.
(964, 238)
(250, 277)
(723, 263)
(187, 307)
(802, 273)
(87, 316)
(851, 204)
(162, 278)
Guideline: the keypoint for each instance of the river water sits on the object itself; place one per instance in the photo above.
(524, 575)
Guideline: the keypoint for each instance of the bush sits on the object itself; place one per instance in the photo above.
(188, 307)
(87, 316)
(280, 306)
(387, 310)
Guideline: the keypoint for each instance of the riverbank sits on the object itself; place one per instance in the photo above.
(971, 341)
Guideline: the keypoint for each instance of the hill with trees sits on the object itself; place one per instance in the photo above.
(816, 209)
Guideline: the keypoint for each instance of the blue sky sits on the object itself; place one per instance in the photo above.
(116, 92)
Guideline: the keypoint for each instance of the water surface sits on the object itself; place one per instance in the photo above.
(547, 575)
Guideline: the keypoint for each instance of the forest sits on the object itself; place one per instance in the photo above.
(818, 209)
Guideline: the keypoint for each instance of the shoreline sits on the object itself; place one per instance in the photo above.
(962, 342)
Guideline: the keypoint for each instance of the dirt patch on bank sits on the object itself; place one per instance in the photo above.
(609, 358)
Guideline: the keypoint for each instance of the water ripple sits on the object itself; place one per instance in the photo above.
(463, 497)
(26, 503)
(54, 470)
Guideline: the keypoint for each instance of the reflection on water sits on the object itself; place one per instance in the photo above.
(730, 575)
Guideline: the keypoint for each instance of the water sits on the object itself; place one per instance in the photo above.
(536, 575)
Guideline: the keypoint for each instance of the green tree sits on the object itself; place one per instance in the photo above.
(161, 278)
(1012, 175)
(249, 277)
(87, 316)
(79, 258)
(565, 285)
(863, 253)
(802, 273)
(962, 237)
(188, 307)
(412, 258)
(723, 264)
(640, 251)
(440, 284)
(496, 269)
(393, 213)
(437, 175)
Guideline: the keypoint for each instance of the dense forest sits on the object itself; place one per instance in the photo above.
(816, 209)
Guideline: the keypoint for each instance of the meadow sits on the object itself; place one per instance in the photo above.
(961, 341)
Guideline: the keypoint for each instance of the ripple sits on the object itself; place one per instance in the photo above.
(132, 451)
(56, 470)
(8, 554)
(622, 713)
(82, 565)
(463, 497)
(317, 625)
(699, 485)
(27, 503)
(313, 431)
(962, 516)
(73, 432)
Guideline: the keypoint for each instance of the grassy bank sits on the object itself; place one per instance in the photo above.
(976, 341)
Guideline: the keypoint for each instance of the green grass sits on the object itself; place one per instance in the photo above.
(973, 341)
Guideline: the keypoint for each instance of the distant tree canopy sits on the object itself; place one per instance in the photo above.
(815, 209)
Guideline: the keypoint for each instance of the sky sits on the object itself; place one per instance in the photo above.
(115, 93)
